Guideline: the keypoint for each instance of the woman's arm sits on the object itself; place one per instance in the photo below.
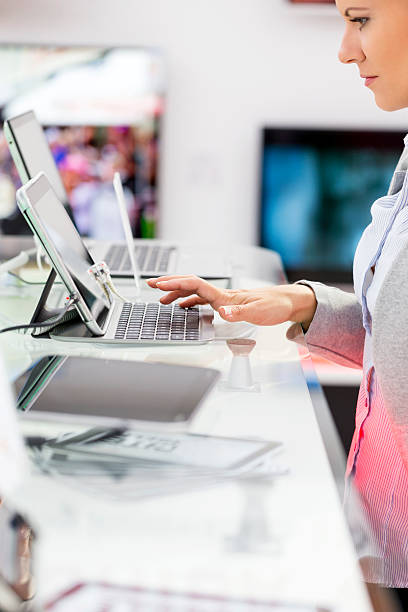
(263, 306)
(336, 331)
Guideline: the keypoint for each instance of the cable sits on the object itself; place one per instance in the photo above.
(16, 262)
(22, 258)
(40, 253)
(27, 282)
(51, 322)
(101, 273)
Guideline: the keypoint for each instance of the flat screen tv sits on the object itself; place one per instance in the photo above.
(101, 108)
(317, 187)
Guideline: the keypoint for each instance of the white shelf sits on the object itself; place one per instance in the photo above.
(311, 10)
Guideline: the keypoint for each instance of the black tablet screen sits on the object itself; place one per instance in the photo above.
(95, 387)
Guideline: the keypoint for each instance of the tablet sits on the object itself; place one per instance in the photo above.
(50, 222)
(176, 450)
(111, 392)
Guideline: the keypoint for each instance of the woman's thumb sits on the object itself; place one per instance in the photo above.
(234, 313)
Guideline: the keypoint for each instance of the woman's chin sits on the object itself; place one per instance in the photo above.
(388, 104)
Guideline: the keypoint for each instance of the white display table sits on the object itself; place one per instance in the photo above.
(297, 547)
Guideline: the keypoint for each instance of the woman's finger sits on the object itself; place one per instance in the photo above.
(237, 312)
(193, 301)
(152, 282)
(258, 312)
(255, 312)
(170, 297)
(191, 285)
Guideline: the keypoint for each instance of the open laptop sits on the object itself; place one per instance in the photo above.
(31, 154)
(101, 317)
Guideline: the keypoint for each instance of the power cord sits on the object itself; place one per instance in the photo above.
(16, 262)
(51, 322)
(23, 257)
(40, 253)
(27, 282)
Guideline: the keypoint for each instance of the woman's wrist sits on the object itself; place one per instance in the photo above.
(304, 304)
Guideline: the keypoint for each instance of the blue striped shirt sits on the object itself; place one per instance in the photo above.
(375, 466)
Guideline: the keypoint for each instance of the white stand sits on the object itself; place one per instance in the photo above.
(240, 374)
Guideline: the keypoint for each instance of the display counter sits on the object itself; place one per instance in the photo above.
(280, 536)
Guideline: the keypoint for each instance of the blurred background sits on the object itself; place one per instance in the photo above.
(230, 70)
(230, 122)
(101, 109)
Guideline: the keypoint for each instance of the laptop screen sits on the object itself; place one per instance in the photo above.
(35, 152)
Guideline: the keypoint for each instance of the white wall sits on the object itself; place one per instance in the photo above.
(233, 66)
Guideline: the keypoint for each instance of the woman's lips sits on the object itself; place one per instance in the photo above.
(369, 80)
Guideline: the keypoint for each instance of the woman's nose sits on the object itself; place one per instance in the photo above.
(350, 51)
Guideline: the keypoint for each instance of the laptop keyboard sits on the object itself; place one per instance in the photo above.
(152, 259)
(161, 322)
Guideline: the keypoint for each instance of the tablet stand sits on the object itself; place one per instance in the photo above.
(42, 313)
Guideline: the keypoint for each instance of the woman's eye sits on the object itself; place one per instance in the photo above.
(361, 20)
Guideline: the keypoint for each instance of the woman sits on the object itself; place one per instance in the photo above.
(368, 328)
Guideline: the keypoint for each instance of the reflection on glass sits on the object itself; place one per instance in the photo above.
(255, 534)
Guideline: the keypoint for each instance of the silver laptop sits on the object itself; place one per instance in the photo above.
(101, 317)
(31, 154)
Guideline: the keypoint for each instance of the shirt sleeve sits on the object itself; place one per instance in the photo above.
(336, 331)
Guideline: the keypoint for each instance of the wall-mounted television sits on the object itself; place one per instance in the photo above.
(101, 108)
(317, 187)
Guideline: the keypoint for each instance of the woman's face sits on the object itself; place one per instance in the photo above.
(376, 39)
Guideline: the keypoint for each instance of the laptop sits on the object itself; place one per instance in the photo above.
(101, 317)
(31, 154)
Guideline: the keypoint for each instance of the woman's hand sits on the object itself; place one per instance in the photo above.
(264, 306)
